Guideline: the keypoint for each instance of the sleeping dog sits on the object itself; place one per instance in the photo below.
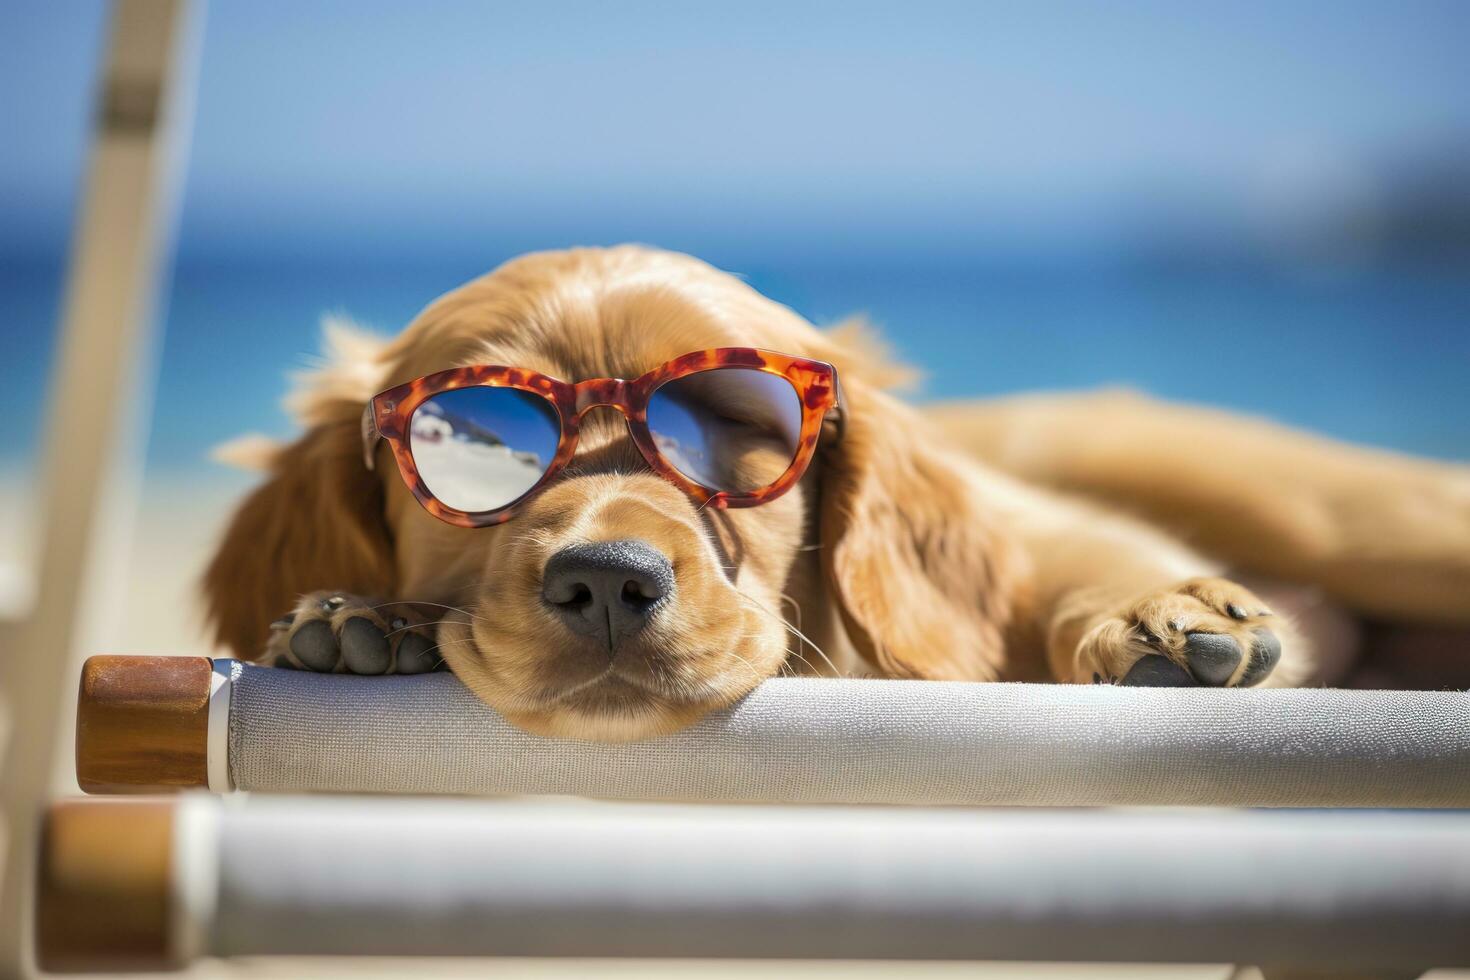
(614, 489)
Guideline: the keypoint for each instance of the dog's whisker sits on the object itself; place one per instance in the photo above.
(820, 652)
(793, 630)
(795, 608)
(441, 643)
(755, 674)
(804, 660)
(811, 668)
(749, 669)
(424, 602)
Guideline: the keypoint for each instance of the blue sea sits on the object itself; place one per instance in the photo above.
(1378, 356)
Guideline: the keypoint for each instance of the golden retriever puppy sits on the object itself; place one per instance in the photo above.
(671, 560)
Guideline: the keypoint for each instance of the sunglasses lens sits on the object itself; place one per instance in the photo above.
(480, 449)
(730, 429)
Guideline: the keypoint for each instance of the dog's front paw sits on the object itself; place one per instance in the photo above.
(1203, 632)
(333, 632)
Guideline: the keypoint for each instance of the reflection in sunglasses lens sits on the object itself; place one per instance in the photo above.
(731, 429)
(479, 449)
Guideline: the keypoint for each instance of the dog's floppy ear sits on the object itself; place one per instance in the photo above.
(924, 581)
(317, 522)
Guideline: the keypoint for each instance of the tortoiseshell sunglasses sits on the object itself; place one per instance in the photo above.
(732, 427)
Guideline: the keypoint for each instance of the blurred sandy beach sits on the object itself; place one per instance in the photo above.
(177, 523)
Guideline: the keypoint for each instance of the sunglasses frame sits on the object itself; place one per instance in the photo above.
(387, 417)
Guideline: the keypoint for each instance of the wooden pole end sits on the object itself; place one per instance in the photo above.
(143, 724)
(103, 887)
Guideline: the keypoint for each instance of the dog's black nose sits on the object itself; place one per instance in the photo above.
(607, 589)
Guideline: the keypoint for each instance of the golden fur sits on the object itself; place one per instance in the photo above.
(932, 544)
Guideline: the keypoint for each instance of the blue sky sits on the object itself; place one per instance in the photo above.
(981, 178)
(387, 123)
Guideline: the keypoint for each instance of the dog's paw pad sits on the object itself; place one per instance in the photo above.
(1201, 632)
(315, 647)
(1153, 670)
(333, 632)
(416, 654)
(365, 650)
(1213, 657)
(1265, 655)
